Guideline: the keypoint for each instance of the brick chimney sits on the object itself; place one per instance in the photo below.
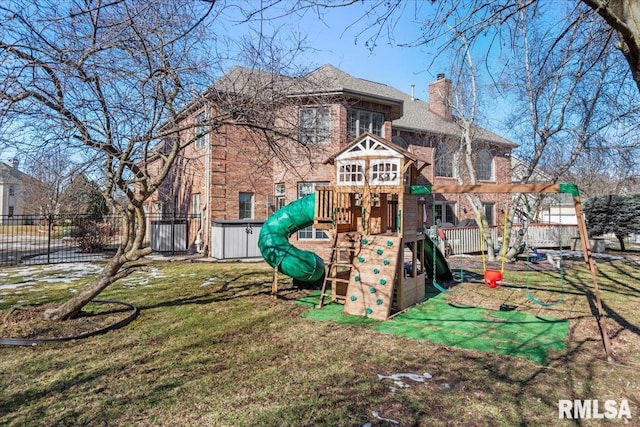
(440, 97)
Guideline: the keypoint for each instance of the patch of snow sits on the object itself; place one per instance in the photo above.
(413, 377)
(18, 285)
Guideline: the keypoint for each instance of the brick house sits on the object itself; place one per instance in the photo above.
(231, 174)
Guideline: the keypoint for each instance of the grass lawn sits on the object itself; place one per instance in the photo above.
(212, 347)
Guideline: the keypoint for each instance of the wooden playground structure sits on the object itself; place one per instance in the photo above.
(374, 214)
(373, 218)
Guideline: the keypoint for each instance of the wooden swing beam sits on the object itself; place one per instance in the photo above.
(541, 188)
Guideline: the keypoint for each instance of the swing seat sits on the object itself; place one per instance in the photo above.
(492, 277)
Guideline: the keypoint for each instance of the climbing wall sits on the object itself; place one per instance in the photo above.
(370, 290)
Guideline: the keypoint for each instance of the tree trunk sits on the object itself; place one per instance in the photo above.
(71, 308)
(484, 226)
(130, 250)
(624, 17)
(621, 241)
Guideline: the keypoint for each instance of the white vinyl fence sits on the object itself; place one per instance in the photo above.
(465, 240)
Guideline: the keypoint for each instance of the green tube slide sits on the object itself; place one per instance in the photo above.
(276, 249)
(441, 267)
(306, 266)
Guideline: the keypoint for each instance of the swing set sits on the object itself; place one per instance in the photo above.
(492, 278)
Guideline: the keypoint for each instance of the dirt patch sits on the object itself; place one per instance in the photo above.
(29, 322)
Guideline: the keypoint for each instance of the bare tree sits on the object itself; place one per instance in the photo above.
(118, 79)
(623, 16)
(52, 172)
(465, 106)
(491, 20)
(559, 59)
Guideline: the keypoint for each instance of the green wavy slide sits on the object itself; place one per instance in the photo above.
(303, 265)
(274, 243)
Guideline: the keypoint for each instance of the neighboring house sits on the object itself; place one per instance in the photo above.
(554, 209)
(12, 185)
(230, 175)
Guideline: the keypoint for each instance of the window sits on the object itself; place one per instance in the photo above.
(385, 172)
(10, 213)
(201, 131)
(350, 173)
(280, 195)
(314, 125)
(445, 213)
(195, 204)
(245, 210)
(364, 121)
(12, 191)
(443, 161)
(484, 166)
(489, 210)
(304, 189)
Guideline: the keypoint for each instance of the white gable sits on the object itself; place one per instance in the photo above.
(369, 147)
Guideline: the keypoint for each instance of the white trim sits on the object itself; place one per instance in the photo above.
(393, 176)
(369, 147)
(345, 163)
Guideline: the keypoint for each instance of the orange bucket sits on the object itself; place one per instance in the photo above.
(492, 277)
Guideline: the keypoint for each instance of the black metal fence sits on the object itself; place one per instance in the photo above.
(29, 239)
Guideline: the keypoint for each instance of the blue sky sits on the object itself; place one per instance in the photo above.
(399, 67)
(332, 40)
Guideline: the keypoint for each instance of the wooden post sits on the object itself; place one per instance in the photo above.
(591, 265)
(274, 283)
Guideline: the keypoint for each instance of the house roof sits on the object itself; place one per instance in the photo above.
(407, 113)
(10, 174)
(324, 81)
(415, 115)
(331, 80)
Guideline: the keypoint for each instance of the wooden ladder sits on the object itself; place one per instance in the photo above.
(331, 273)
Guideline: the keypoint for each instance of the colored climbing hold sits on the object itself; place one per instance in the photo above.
(361, 258)
(389, 243)
(364, 241)
(386, 262)
(372, 290)
(379, 251)
(357, 278)
(379, 301)
(353, 298)
(368, 311)
(376, 271)
(383, 282)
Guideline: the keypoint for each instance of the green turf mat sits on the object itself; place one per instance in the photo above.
(510, 332)
(311, 299)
